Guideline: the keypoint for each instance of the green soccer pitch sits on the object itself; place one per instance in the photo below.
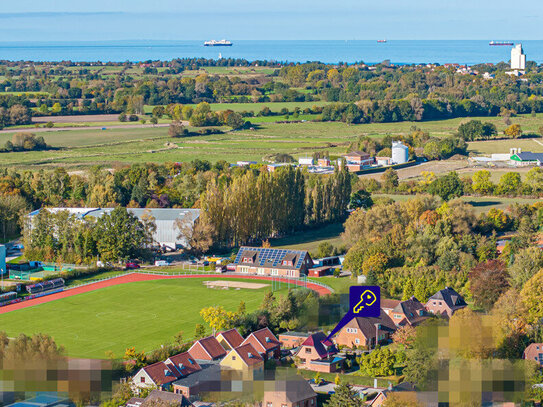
(143, 314)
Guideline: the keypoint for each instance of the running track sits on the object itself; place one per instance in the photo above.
(131, 278)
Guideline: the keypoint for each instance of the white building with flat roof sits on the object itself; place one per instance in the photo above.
(518, 58)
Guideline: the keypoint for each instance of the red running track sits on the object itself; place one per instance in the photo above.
(131, 278)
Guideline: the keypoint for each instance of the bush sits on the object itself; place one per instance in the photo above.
(122, 117)
(49, 125)
(133, 118)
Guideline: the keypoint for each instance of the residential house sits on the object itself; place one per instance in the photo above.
(366, 332)
(409, 312)
(158, 375)
(291, 340)
(324, 162)
(319, 354)
(229, 339)
(206, 380)
(357, 160)
(207, 349)
(445, 302)
(291, 392)
(184, 363)
(245, 360)
(265, 342)
(534, 352)
(273, 262)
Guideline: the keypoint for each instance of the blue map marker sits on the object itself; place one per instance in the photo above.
(364, 301)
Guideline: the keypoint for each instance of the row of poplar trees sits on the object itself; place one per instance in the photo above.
(256, 206)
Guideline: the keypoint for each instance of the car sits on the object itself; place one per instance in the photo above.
(160, 263)
(131, 266)
(220, 269)
(18, 246)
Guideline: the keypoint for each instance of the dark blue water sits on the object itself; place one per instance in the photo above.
(399, 52)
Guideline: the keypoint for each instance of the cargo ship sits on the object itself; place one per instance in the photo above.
(221, 43)
(498, 43)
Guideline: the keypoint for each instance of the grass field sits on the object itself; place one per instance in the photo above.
(142, 314)
(310, 240)
(480, 204)
(84, 147)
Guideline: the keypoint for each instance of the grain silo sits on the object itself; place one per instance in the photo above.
(400, 153)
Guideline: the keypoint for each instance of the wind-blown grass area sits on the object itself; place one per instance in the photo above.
(142, 314)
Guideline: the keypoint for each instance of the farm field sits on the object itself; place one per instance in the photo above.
(503, 146)
(310, 240)
(480, 203)
(78, 148)
(143, 314)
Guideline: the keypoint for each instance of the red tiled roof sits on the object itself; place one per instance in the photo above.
(232, 337)
(212, 346)
(322, 346)
(162, 373)
(184, 363)
(266, 339)
(248, 354)
(389, 304)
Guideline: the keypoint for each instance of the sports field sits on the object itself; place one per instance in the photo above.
(143, 314)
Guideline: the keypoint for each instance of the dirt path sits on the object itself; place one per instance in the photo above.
(131, 278)
(119, 126)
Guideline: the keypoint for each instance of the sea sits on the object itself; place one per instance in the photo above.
(349, 51)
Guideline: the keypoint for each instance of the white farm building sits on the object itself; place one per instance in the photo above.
(167, 232)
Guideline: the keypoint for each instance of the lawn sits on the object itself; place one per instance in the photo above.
(142, 314)
(309, 240)
(503, 146)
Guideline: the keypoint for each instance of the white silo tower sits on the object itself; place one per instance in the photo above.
(400, 153)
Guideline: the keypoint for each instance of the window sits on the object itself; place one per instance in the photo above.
(308, 350)
(354, 330)
(357, 341)
(233, 357)
(268, 404)
(275, 272)
(261, 271)
(397, 316)
(142, 379)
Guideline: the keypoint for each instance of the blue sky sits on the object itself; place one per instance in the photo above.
(72, 20)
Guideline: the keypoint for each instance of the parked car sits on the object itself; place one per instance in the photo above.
(131, 266)
(161, 263)
(220, 269)
(18, 246)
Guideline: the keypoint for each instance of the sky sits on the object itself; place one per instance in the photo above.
(102, 20)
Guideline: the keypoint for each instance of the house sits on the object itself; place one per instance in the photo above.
(291, 392)
(445, 302)
(206, 380)
(229, 339)
(158, 375)
(402, 396)
(357, 160)
(291, 340)
(366, 332)
(157, 397)
(409, 312)
(324, 162)
(534, 352)
(318, 354)
(274, 166)
(265, 342)
(246, 360)
(525, 158)
(273, 262)
(207, 349)
(184, 363)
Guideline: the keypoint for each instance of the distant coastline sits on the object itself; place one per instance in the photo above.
(333, 51)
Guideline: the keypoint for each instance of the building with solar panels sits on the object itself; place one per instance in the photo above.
(273, 262)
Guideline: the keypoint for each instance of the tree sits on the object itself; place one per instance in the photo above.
(11, 208)
(447, 187)
(481, 182)
(488, 281)
(513, 131)
(534, 178)
(406, 336)
(218, 318)
(380, 362)
(325, 249)
(158, 112)
(344, 396)
(509, 183)
(531, 296)
(199, 331)
(390, 180)
(122, 117)
(360, 199)
(121, 236)
(526, 263)
(176, 129)
(178, 338)
(476, 130)
(402, 399)
(235, 120)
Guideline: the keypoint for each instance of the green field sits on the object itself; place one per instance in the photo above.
(310, 240)
(480, 204)
(142, 314)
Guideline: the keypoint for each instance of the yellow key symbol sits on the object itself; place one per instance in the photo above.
(366, 299)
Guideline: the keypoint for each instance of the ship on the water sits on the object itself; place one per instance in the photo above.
(221, 43)
(497, 43)
(381, 41)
